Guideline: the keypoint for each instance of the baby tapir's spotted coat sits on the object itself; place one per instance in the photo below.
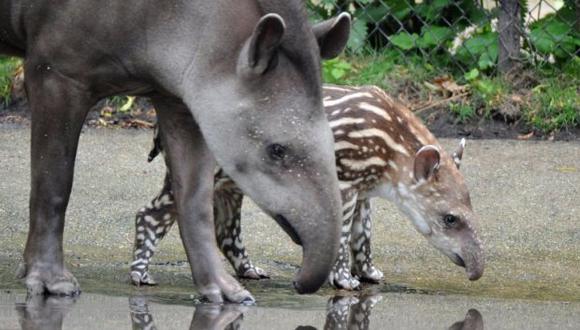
(381, 150)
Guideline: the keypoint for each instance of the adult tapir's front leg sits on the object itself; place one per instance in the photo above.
(59, 106)
(360, 244)
(192, 171)
(227, 216)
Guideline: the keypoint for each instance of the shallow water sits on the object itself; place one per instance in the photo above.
(286, 310)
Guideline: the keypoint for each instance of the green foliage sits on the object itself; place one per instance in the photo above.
(404, 40)
(8, 66)
(554, 105)
(555, 34)
(121, 103)
(488, 93)
(433, 35)
(463, 111)
(482, 49)
(335, 71)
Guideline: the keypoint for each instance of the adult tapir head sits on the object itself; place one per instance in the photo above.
(260, 110)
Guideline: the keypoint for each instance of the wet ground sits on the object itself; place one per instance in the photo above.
(526, 193)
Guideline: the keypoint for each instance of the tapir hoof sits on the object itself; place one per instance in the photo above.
(227, 293)
(254, 273)
(371, 275)
(344, 280)
(49, 280)
(140, 279)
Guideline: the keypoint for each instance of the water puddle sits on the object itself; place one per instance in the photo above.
(283, 309)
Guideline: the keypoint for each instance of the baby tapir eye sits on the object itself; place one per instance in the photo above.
(450, 220)
(277, 151)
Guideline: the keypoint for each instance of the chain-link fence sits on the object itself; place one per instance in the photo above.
(453, 35)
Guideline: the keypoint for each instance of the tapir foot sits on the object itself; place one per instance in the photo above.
(142, 278)
(370, 274)
(228, 290)
(254, 273)
(49, 279)
(343, 279)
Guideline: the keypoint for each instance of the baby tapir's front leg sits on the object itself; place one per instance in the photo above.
(153, 221)
(340, 277)
(360, 244)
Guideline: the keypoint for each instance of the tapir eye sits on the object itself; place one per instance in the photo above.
(277, 151)
(450, 220)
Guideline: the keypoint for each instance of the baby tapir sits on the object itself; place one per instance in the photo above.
(382, 150)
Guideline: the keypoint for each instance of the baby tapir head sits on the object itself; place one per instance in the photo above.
(268, 131)
(439, 205)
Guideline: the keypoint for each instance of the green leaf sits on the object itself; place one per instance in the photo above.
(128, 104)
(434, 35)
(431, 10)
(358, 35)
(337, 73)
(471, 75)
(488, 59)
(481, 48)
(404, 40)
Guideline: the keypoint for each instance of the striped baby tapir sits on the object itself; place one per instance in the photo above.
(382, 150)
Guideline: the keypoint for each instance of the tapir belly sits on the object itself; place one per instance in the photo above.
(10, 42)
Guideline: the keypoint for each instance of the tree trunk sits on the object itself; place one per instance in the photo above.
(509, 35)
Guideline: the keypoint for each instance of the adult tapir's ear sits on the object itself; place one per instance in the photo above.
(426, 162)
(262, 45)
(332, 35)
(458, 154)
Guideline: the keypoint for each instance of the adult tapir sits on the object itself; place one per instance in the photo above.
(233, 82)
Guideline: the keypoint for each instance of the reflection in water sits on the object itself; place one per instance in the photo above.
(343, 312)
(207, 316)
(44, 312)
(350, 312)
(473, 321)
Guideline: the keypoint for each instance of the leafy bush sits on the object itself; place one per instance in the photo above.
(7, 67)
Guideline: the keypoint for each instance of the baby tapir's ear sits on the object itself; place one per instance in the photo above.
(262, 45)
(458, 154)
(426, 162)
(332, 35)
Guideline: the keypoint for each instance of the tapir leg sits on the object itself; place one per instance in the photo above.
(360, 243)
(227, 214)
(340, 276)
(192, 171)
(59, 106)
(152, 223)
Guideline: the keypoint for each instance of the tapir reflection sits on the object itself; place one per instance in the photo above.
(343, 312)
(44, 312)
(205, 317)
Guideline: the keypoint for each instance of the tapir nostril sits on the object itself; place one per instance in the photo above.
(458, 260)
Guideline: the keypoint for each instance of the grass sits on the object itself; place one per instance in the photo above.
(546, 100)
(8, 66)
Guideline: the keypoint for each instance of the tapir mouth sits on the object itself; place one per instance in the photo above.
(473, 269)
(458, 260)
(283, 222)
